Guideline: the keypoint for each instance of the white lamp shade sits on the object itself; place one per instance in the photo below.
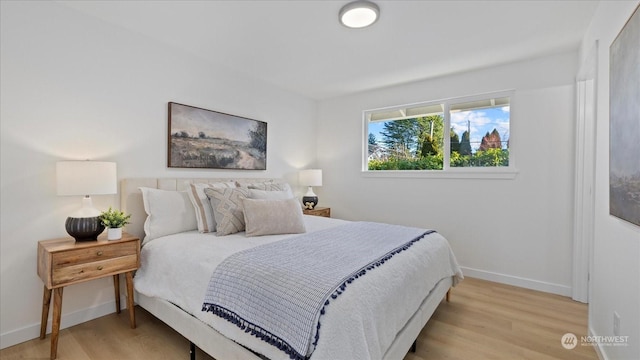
(86, 178)
(310, 177)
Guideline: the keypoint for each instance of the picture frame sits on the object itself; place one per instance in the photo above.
(624, 122)
(207, 139)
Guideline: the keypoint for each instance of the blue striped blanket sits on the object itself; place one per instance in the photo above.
(279, 291)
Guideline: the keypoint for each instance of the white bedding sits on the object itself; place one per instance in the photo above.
(178, 268)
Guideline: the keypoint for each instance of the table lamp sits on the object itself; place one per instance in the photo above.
(85, 178)
(310, 178)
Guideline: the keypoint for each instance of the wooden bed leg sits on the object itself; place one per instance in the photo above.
(192, 351)
(413, 346)
(448, 294)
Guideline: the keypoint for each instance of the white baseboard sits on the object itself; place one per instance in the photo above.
(601, 354)
(518, 281)
(30, 332)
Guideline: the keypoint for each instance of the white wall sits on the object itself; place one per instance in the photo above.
(515, 231)
(615, 276)
(74, 87)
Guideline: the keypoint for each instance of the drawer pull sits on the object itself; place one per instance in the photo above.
(99, 253)
(100, 267)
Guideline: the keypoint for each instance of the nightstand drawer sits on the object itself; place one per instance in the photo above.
(84, 262)
(75, 272)
(93, 254)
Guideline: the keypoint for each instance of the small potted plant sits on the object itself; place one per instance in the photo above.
(114, 220)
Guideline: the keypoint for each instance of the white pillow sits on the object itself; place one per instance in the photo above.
(271, 217)
(168, 212)
(227, 209)
(202, 206)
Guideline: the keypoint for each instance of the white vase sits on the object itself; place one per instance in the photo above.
(114, 233)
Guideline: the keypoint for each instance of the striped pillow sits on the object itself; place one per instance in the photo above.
(202, 206)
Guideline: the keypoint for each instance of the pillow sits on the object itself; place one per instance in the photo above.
(227, 209)
(269, 195)
(271, 217)
(168, 212)
(202, 206)
(267, 186)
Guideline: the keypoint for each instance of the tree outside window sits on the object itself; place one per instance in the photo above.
(414, 137)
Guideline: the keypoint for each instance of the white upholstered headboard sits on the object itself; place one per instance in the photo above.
(131, 197)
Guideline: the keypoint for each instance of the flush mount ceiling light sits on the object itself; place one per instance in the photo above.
(359, 14)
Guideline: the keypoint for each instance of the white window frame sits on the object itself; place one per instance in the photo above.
(498, 172)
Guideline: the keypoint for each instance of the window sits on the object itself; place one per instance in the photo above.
(470, 133)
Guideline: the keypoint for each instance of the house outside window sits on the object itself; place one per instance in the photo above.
(459, 135)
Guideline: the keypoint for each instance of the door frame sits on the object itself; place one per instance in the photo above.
(584, 199)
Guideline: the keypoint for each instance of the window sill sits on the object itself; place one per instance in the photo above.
(475, 173)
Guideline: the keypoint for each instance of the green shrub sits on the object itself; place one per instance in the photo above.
(114, 218)
(488, 158)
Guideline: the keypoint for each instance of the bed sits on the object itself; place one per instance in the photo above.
(175, 269)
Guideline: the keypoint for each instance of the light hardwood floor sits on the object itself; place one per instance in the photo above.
(483, 320)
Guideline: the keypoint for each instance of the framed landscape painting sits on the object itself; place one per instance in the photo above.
(200, 138)
(624, 126)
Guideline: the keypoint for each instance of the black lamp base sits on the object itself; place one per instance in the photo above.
(84, 229)
(309, 202)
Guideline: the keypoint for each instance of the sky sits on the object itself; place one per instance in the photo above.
(480, 122)
(212, 123)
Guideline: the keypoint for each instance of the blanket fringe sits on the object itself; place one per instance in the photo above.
(253, 329)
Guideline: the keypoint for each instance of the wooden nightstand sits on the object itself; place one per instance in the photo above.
(64, 261)
(318, 211)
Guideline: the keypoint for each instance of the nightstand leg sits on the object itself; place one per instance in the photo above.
(130, 304)
(55, 325)
(116, 289)
(46, 300)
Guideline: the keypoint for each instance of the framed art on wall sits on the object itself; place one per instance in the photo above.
(624, 122)
(200, 138)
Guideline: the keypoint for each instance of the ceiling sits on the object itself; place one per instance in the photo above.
(300, 46)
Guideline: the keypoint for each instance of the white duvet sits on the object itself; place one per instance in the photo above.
(360, 324)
